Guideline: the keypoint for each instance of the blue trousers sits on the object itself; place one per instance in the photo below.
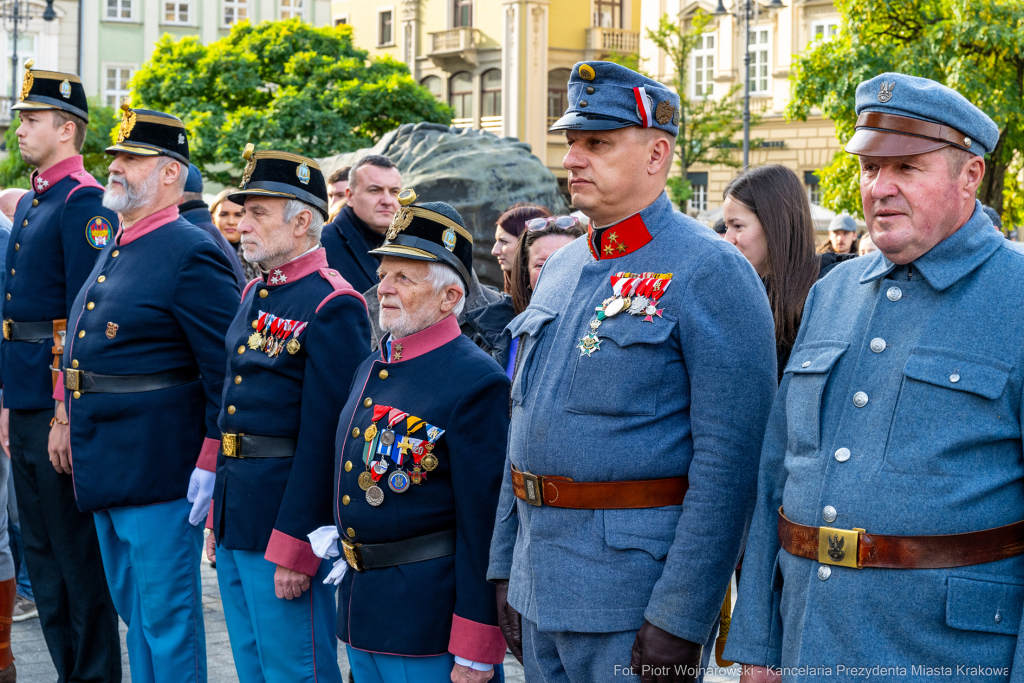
(275, 640)
(151, 557)
(374, 667)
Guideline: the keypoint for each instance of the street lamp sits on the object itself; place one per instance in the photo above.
(12, 18)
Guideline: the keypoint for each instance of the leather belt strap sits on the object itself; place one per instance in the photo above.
(30, 332)
(88, 382)
(418, 549)
(912, 126)
(562, 492)
(859, 549)
(249, 446)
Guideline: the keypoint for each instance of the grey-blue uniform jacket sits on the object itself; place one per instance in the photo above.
(687, 393)
(935, 449)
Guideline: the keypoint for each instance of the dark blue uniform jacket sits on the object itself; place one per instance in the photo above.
(348, 250)
(198, 214)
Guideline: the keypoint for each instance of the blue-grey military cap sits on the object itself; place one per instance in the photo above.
(606, 96)
(900, 115)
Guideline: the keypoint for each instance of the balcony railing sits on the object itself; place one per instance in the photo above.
(453, 40)
(462, 123)
(491, 124)
(612, 40)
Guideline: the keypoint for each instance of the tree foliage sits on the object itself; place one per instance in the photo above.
(972, 46)
(281, 85)
(14, 172)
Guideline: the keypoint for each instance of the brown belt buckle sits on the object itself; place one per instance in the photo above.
(352, 554)
(229, 445)
(72, 379)
(7, 329)
(839, 546)
(533, 489)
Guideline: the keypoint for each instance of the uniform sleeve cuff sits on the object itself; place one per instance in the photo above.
(209, 517)
(293, 554)
(208, 456)
(477, 642)
(58, 388)
(475, 666)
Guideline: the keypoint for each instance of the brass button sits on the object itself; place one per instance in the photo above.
(333, 274)
(355, 432)
(74, 363)
(17, 246)
(255, 324)
(368, 402)
(383, 374)
(263, 294)
(77, 394)
(348, 466)
(583, 103)
(241, 349)
(35, 202)
(81, 334)
(231, 410)
(238, 379)
(24, 223)
(350, 532)
(345, 500)
(114, 254)
(101, 278)
(91, 305)
(590, 90)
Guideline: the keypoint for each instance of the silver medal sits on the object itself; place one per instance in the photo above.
(374, 495)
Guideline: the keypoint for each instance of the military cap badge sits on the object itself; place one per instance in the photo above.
(587, 72)
(26, 85)
(127, 120)
(302, 171)
(885, 91)
(448, 237)
(665, 112)
(403, 217)
(250, 163)
(65, 89)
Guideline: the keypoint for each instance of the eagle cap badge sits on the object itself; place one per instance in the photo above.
(885, 91)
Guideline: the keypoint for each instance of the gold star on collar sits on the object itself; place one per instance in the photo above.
(622, 248)
(396, 352)
(608, 249)
(612, 237)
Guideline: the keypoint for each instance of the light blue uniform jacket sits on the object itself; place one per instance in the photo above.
(935, 450)
(688, 394)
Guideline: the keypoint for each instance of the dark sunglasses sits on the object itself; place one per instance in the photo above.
(560, 222)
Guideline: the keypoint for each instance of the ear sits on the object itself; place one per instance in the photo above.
(450, 298)
(348, 193)
(972, 174)
(67, 131)
(659, 153)
(172, 172)
(302, 222)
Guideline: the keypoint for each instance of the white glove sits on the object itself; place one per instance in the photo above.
(338, 573)
(324, 542)
(200, 493)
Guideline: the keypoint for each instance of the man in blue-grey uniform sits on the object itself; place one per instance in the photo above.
(645, 372)
(295, 342)
(193, 209)
(143, 374)
(60, 226)
(888, 528)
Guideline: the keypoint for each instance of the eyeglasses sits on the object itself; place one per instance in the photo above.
(560, 222)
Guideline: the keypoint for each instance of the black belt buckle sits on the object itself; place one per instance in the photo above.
(72, 379)
(352, 555)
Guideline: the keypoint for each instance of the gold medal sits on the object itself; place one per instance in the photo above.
(255, 341)
(429, 462)
(293, 346)
(374, 495)
(370, 432)
(365, 480)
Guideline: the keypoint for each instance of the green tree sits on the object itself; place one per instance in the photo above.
(707, 126)
(281, 85)
(14, 172)
(972, 46)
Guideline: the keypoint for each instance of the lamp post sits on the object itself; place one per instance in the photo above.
(14, 15)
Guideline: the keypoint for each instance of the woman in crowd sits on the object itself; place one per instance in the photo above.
(509, 227)
(865, 246)
(768, 218)
(226, 216)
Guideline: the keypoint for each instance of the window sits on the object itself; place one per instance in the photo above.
(824, 30)
(435, 86)
(704, 66)
(558, 94)
(119, 10)
(757, 41)
(235, 11)
(176, 12)
(813, 187)
(341, 21)
(462, 14)
(117, 84)
(26, 51)
(490, 96)
(385, 29)
(608, 13)
(461, 98)
(699, 184)
(291, 9)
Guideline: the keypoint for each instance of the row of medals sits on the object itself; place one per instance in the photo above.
(399, 480)
(609, 308)
(271, 344)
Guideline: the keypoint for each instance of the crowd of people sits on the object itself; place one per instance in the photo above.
(387, 453)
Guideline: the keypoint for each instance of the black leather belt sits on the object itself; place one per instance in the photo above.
(380, 555)
(89, 382)
(249, 446)
(30, 332)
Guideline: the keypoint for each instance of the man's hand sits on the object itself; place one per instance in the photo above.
(463, 674)
(59, 444)
(660, 657)
(759, 674)
(289, 584)
(211, 547)
(509, 621)
(5, 428)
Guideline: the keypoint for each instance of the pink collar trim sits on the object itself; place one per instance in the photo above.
(41, 182)
(147, 225)
(298, 268)
(424, 341)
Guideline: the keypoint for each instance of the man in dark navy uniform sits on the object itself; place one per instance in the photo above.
(420, 451)
(371, 202)
(59, 229)
(143, 373)
(193, 209)
(293, 347)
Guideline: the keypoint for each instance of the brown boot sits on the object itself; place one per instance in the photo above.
(8, 674)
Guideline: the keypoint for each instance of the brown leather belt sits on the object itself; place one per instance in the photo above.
(562, 492)
(912, 126)
(857, 548)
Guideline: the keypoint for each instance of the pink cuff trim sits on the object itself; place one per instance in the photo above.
(477, 642)
(294, 554)
(209, 517)
(208, 456)
(58, 390)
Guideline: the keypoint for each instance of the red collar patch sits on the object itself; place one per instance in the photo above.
(618, 239)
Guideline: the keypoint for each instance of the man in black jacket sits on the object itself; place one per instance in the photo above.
(372, 200)
(193, 209)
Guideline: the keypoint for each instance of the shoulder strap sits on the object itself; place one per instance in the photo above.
(84, 179)
(340, 285)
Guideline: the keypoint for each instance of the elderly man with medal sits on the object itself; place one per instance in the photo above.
(420, 448)
(646, 368)
(293, 347)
